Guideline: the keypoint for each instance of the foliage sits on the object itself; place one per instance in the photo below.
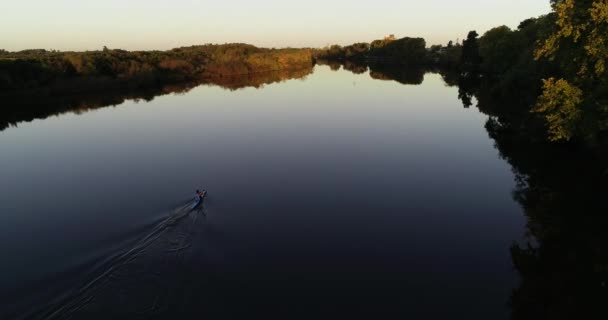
(508, 66)
(334, 52)
(579, 46)
(568, 48)
(34, 68)
(445, 57)
(559, 103)
(380, 43)
(582, 27)
(356, 51)
(470, 59)
(408, 51)
(500, 47)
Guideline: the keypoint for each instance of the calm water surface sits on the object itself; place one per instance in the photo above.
(336, 194)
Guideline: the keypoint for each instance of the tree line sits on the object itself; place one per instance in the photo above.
(30, 69)
(409, 51)
(557, 63)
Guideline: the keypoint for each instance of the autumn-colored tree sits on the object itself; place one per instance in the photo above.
(579, 45)
(559, 102)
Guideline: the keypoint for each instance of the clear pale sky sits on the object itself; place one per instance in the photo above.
(156, 24)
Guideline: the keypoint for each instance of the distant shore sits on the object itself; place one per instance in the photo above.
(71, 72)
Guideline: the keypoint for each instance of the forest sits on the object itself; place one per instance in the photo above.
(68, 72)
(544, 88)
(555, 64)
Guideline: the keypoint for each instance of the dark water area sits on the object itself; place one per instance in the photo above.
(335, 192)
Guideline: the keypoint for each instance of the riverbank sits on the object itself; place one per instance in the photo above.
(77, 72)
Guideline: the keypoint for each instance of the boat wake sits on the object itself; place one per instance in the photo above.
(139, 268)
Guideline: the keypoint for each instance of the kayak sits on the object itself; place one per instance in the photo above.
(198, 200)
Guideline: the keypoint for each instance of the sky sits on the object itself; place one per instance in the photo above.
(156, 24)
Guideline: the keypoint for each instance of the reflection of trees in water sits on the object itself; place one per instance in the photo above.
(450, 77)
(356, 68)
(400, 73)
(564, 193)
(42, 103)
(466, 89)
(256, 80)
(563, 190)
(332, 64)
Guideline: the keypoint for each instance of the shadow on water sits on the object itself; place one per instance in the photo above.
(408, 75)
(26, 106)
(564, 264)
(563, 191)
(561, 187)
(138, 277)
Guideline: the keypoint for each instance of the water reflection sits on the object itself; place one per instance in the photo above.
(42, 103)
(321, 191)
(402, 74)
(356, 68)
(562, 188)
(401, 251)
(563, 191)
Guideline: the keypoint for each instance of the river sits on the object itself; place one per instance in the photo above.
(331, 193)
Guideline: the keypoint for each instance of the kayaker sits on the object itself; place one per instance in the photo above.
(200, 194)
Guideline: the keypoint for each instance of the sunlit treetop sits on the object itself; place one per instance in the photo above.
(581, 25)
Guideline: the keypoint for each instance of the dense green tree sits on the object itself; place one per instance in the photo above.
(578, 44)
(470, 60)
(450, 56)
(500, 49)
(409, 51)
